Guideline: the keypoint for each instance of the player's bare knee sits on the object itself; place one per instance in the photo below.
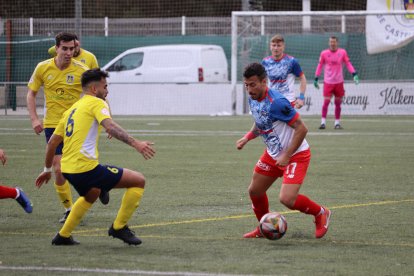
(286, 200)
(140, 180)
(256, 192)
(251, 190)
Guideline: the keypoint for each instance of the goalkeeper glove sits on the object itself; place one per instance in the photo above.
(315, 83)
(356, 78)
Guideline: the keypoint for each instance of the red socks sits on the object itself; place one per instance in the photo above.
(260, 205)
(8, 192)
(307, 206)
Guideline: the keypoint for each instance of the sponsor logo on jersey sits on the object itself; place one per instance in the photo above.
(60, 91)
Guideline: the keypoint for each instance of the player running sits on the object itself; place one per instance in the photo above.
(287, 152)
(79, 129)
(61, 80)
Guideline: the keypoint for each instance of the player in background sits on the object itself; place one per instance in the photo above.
(333, 82)
(61, 80)
(79, 129)
(287, 152)
(14, 193)
(79, 54)
(282, 71)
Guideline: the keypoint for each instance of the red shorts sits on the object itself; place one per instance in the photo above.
(293, 173)
(336, 90)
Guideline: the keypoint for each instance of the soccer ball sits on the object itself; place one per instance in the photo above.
(273, 226)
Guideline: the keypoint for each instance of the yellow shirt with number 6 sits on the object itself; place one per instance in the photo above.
(80, 128)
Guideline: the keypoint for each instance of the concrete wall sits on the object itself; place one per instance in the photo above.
(216, 99)
(172, 99)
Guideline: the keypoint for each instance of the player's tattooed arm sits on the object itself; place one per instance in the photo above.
(143, 147)
(117, 131)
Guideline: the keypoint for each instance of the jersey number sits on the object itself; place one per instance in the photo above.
(70, 124)
(290, 170)
(113, 170)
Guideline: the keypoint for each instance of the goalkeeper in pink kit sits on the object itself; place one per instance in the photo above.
(333, 83)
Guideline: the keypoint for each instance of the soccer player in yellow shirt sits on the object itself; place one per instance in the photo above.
(79, 54)
(79, 129)
(61, 79)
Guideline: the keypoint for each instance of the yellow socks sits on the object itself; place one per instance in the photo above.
(65, 194)
(130, 202)
(79, 209)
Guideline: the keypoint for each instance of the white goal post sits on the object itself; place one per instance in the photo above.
(252, 30)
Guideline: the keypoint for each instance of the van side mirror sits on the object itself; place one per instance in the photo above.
(119, 67)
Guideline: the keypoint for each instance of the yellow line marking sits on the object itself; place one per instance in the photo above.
(372, 203)
(90, 232)
(247, 216)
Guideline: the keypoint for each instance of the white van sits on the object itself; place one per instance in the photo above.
(179, 63)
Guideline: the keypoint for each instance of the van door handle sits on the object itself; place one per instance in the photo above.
(138, 74)
(216, 73)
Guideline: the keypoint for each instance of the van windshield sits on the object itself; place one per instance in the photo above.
(127, 62)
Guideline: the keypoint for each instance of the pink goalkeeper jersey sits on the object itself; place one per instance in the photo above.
(333, 65)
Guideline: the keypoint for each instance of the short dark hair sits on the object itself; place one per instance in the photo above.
(92, 75)
(334, 37)
(66, 37)
(254, 69)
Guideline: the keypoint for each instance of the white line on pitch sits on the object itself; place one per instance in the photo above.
(111, 271)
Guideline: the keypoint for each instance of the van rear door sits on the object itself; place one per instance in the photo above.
(214, 64)
(175, 65)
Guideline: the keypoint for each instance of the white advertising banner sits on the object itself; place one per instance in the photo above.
(366, 99)
(389, 32)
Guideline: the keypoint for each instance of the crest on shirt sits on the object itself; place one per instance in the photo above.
(70, 79)
(105, 112)
(83, 61)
